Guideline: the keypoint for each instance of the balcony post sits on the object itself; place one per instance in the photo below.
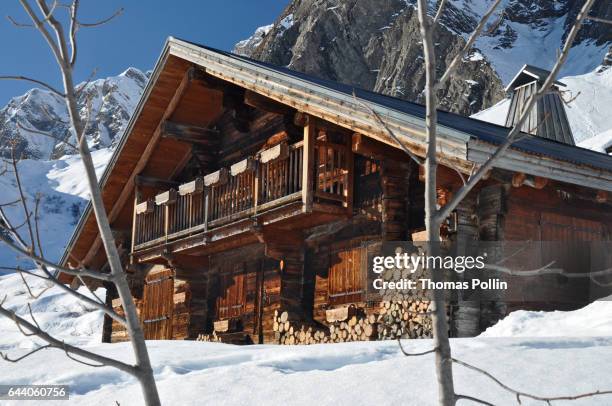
(308, 165)
(256, 186)
(135, 231)
(206, 207)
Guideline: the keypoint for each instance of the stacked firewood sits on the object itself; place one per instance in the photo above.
(287, 331)
(404, 319)
(356, 328)
(213, 338)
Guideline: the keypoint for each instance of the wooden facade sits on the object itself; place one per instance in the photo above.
(247, 215)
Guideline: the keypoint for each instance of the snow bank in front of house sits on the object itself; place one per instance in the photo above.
(57, 312)
(193, 373)
(590, 321)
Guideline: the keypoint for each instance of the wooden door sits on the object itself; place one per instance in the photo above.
(158, 305)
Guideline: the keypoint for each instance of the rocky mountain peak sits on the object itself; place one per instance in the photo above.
(375, 44)
(25, 118)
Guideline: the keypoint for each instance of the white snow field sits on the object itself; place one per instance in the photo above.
(367, 373)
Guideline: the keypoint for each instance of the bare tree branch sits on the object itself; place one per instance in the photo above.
(414, 354)
(55, 343)
(466, 47)
(104, 21)
(46, 134)
(32, 295)
(514, 133)
(15, 360)
(436, 19)
(38, 82)
(384, 125)
(599, 20)
(520, 394)
(473, 399)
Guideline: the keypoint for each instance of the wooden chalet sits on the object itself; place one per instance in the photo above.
(243, 191)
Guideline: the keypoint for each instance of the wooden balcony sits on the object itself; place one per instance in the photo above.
(307, 180)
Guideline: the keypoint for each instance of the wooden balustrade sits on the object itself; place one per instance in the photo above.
(251, 187)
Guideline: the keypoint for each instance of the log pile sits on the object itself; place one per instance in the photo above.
(356, 328)
(404, 319)
(211, 338)
(288, 331)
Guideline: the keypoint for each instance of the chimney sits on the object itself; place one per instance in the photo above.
(548, 119)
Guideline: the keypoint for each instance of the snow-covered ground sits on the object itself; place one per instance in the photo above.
(63, 192)
(366, 373)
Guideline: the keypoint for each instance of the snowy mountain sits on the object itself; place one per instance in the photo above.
(550, 354)
(532, 32)
(63, 194)
(588, 113)
(376, 44)
(112, 101)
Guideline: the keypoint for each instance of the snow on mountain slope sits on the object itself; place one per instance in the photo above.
(63, 194)
(191, 373)
(599, 143)
(588, 114)
(112, 101)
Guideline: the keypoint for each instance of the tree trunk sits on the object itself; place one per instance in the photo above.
(143, 363)
(444, 371)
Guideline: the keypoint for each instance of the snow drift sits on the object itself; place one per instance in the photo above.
(359, 373)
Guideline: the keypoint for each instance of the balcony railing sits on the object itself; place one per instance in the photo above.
(274, 178)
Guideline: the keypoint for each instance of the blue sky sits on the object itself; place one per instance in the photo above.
(133, 39)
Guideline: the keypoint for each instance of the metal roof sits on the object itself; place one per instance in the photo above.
(484, 131)
(529, 73)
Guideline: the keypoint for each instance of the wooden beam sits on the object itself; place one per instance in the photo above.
(155, 183)
(185, 130)
(308, 165)
(367, 146)
(264, 103)
(142, 162)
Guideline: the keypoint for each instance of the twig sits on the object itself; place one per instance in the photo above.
(32, 295)
(28, 79)
(439, 12)
(104, 21)
(415, 354)
(520, 394)
(15, 360)
(473, 399)
(599, 20)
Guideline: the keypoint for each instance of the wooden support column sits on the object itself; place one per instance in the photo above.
(308, 165)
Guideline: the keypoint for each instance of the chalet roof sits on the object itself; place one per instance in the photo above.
(528, 74)
(463, 141)
(481, 130)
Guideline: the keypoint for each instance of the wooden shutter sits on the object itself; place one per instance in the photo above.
(346, 276)
(232, 299)
(158, 305)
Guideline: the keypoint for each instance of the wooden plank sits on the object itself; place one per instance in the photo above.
(195, 186)
(156, 183)
(166, 198)
(277, 152)
(217, 178)
(245, 165)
